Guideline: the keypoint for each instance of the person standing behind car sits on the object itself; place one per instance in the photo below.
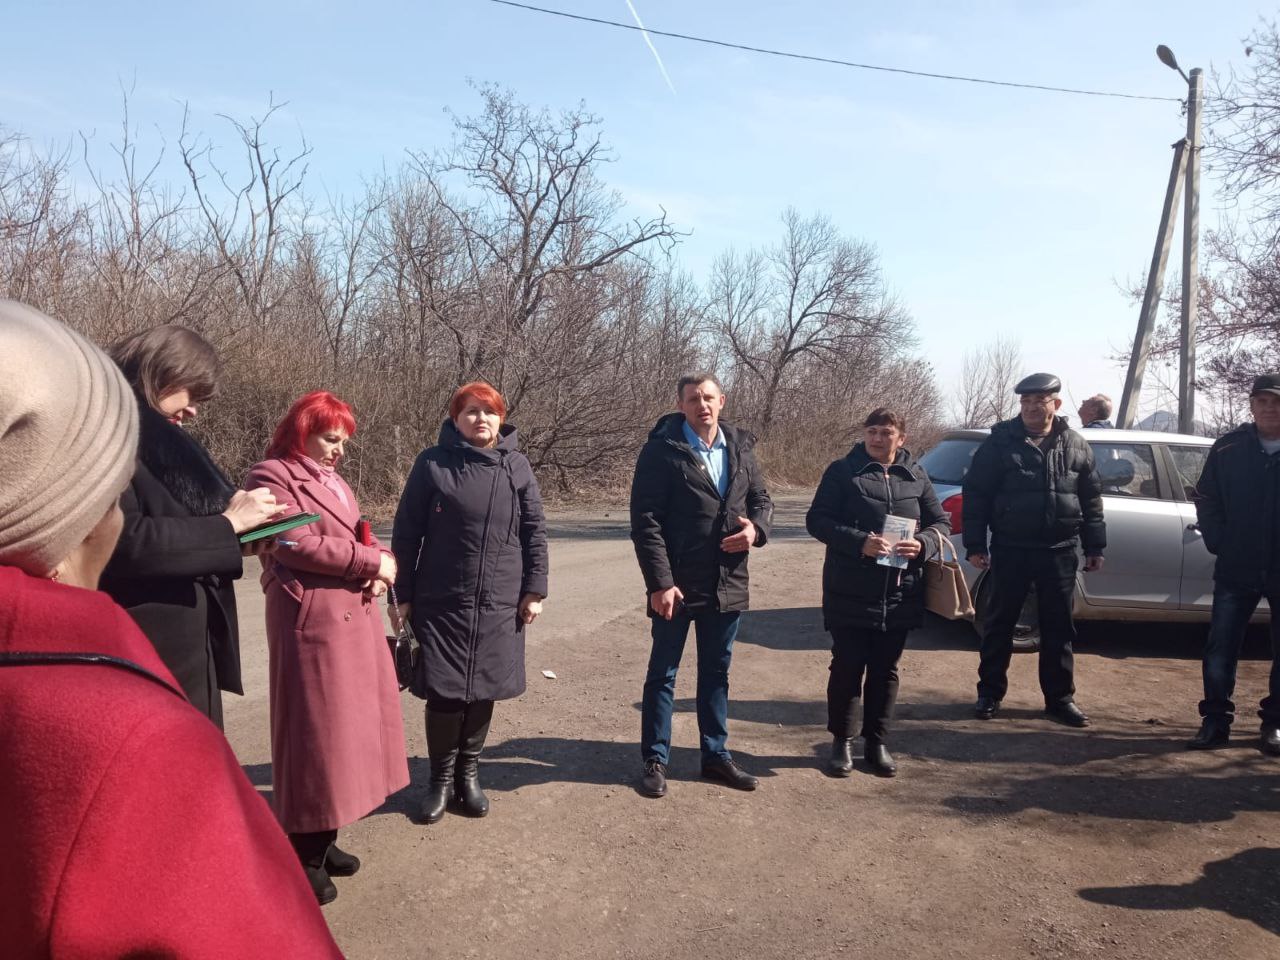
(1034, 485)
(470, 542)
(1238, 509)
(698, 506)
(1095, 413)
(180, 552)
(868, 606)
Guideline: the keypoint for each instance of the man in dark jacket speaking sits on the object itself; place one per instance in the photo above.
(1238, 510)
(1034, 485)
(698, 506)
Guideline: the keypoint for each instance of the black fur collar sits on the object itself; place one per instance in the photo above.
(182, 465)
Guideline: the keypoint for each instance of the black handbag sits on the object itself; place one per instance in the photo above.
(405, 649)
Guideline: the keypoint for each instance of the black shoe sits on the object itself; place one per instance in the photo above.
(841, 762)
(466, 778)
(1270, 742)
(339, 863)
(986, 708)
(321, 885)
(1067, 713)
(654, 781)
(880, 761)
(730, 774)
(1211, 735)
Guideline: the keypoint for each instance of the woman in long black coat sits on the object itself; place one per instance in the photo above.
(179, 553)
(868, 607)
(471, 547)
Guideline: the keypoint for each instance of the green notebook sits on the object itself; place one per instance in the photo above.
(272, 527)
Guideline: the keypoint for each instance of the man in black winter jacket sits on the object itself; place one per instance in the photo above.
(698, 506)
(1034, 485)
(1238, 508)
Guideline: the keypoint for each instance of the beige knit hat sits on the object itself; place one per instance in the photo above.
(68, 438)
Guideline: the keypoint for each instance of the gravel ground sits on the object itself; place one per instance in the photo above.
(1012, 838)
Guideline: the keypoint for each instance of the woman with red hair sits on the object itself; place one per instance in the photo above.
(337, 738)
(471, 545)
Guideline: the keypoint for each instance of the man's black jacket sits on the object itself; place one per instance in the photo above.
(1236, 506)
(1027, 498)
(678, 517)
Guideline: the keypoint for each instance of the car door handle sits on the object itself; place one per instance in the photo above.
(1193, 527)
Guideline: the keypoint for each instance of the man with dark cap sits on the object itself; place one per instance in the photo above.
(1034, 485)
(1238, 509)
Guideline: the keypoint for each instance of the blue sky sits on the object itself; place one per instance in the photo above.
(995, 211)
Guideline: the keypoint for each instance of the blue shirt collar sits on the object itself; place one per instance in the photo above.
(695, 441)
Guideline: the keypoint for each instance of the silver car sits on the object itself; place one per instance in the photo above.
(1157, 568)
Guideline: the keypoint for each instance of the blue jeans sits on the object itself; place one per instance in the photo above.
(1232, 608)
(715, 633)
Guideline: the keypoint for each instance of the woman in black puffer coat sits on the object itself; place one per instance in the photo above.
(868, 607)
(471, 548)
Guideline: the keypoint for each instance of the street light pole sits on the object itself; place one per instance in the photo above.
(1186, 166)
(1190, 258)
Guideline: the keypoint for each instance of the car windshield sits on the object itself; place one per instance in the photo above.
(949, 461)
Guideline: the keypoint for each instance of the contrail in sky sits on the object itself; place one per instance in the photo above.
(645, 33)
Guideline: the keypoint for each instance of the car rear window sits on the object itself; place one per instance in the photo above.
(949, 461)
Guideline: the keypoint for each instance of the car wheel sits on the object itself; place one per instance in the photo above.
(1026, 633)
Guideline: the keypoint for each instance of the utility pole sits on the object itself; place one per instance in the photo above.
(1186, 164)
(1151, 298)
(1190, 258)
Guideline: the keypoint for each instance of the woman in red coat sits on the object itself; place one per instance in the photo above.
(337, 737)
(126, 825)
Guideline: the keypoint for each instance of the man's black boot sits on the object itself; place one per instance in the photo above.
(841, 762)
(1211, 735)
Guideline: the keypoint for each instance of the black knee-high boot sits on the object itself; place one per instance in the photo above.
(475, 728)
(444, 734)
(312, 848)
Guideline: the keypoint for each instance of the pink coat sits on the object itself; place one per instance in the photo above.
(337, 737)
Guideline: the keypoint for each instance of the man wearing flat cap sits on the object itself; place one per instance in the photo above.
(1033, 484)
(1238, 512)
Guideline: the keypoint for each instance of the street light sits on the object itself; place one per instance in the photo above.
(1169, 60)
(1186, 161)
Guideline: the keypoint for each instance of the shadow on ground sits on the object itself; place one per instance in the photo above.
(1246, 885)
(535, 761)
(1185, 798)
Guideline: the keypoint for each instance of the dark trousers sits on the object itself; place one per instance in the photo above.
(715, 633)
(1232, 608)
(312, 848)
(1013, 572)
(855, 651)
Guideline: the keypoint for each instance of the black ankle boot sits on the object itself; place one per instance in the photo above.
(841, 762)
(312, 848)
(444, 731)
(466, 778)
(879, 760)
(339, 863)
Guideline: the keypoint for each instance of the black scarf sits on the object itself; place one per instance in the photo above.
(181, 464)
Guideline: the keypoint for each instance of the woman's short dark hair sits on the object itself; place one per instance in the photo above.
(168, 358)
(884, 417)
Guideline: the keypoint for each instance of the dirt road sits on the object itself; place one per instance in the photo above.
(1005, 839)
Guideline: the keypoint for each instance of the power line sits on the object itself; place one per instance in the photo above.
(830, 60)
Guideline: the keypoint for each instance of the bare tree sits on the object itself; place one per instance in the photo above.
(987, 378)
(817, 297)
